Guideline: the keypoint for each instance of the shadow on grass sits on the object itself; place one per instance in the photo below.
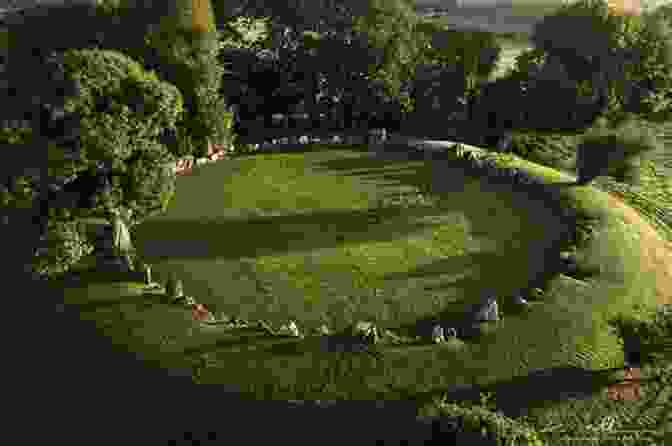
(264, 236)
(537, 390)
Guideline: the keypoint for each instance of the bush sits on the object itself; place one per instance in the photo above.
(479, 424)
(149, 182)
(549, 149)
(570, 110)
(647, 331)
(65, 244)
(617, 150)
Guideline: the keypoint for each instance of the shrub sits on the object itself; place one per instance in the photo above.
(527, 65)
(605, 150)
(149, 182)
(647, 331)
(550, 149)
(478, 424)
(65, 244)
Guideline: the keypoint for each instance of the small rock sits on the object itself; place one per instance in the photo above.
(290, 330)
(488, 311)
(437, 335)
(324, 330)
(367, 331)
(519, 300)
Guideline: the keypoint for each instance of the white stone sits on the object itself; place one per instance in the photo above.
(291, 329)
(437, 335)
(519, 300)
(488, 311)
(366, 330)
(324, 330)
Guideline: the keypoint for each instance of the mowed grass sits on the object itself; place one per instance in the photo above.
(336, 236)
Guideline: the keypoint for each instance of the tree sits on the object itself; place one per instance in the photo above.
(118, 110)
(618, 55)
(362, 32)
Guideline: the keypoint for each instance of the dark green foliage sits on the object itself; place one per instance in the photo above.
(188, 59)
(119, 103)
(570, 109)
(499, 105)
(549, 149)
(645, 333)
(614, 151)
(120, 110)
(649, 73)
(476, 424)
(64, 245)
(625, 59)
(149, 181)
(145, 33)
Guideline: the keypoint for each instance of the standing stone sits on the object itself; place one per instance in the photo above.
(367, 331)
(291, 330)
(324, 330)
(488, 311)
(520, 300)
(437, 335)
(121, 237)
(174, 288)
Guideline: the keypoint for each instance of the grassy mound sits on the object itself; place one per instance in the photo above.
(335, 236)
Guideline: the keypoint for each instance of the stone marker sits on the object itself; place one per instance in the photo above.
(519, 300)
(367, 331)
(290, 330)
(488, 311)
(174, 288)
(437, 335)
(324, 330)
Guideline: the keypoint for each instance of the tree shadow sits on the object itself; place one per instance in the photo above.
(264, 236)
(539, 389)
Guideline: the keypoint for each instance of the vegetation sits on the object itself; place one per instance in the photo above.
(622, 57)
(619, 149)
(134, 121)
(117, 112)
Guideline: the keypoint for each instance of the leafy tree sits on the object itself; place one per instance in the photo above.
(619, 56)
(362, 32)
(117, 110)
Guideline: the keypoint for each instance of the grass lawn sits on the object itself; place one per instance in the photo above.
(337, 235)
(334, 235)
